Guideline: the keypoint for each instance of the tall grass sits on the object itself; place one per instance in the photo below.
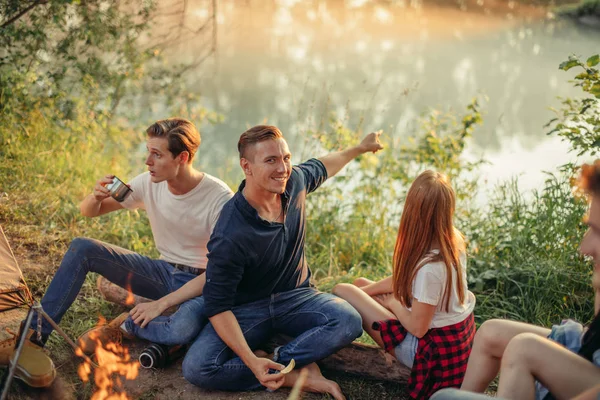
(524, 255)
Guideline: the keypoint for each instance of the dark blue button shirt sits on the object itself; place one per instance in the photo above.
(250, 258)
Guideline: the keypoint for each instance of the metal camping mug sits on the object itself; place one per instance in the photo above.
(118, 189)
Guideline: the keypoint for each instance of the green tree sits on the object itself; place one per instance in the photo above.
(578, 120)
(60, 49)
(101, 52)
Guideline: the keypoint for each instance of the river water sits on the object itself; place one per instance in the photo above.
(382, 65)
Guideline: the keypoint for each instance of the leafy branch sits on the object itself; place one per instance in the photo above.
(578, 121)
(21, 12)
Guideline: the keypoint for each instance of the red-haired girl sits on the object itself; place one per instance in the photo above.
(423, 313)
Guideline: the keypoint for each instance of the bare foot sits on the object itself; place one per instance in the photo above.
(315, 382)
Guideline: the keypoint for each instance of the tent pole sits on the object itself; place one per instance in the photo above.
(39, 309)
(11, 371)
(13, 367)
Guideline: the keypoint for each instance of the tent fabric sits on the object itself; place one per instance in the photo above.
(10, 322)
(13, 289)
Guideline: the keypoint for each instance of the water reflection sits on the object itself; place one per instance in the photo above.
(380, 64)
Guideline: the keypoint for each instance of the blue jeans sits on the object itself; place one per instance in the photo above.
(142, 275)
(321, 324)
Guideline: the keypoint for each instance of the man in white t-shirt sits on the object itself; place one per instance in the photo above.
(183, 205)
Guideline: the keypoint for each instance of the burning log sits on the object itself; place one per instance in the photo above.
(114, 364)
(118, 295)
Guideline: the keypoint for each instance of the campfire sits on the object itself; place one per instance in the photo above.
(113, 365)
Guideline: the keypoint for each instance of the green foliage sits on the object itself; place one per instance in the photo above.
(49, 166)
(353, 219)
(59, 51)
(58, 44)
(524, 260)
(578, 121)
(580, 9)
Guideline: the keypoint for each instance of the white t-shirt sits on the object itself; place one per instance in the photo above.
(429, 286)
(181, 224)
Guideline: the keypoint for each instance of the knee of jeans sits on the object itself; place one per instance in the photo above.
(356, 328)
(350, 323)
(184, 331)
(198, 373)
(81, 246)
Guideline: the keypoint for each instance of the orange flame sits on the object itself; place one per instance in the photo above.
(130, 300)
(114, 364)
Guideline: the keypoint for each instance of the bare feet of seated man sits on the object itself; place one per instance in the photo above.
(315, 382)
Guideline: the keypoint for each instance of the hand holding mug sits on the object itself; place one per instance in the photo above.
(100, 191)
(118, 189)
(111, 186)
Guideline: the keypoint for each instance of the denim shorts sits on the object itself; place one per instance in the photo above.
(406, 350)
(569, 334)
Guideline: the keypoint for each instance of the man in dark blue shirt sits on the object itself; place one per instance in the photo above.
(258, 281)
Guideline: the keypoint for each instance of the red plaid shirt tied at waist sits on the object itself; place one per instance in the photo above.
(442, 354)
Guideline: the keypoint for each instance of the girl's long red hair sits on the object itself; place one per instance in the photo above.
(427, 220)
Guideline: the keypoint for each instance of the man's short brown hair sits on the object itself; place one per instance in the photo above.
(256, 134)
(590, 178)
(180, 133)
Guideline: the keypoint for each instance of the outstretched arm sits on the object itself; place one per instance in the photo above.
(334, 162)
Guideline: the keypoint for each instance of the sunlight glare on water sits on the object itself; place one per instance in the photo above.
(377, 65)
